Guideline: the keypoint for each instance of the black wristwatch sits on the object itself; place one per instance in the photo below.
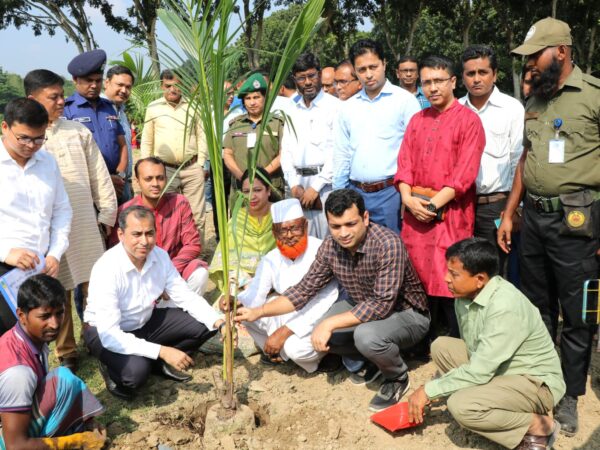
(431, 207)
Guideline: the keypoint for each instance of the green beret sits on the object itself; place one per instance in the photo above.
(254, 83)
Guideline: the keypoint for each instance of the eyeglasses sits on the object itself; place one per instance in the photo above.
(435, 82)
(309, 76)
(342, 83)
(26, 140)
(407, 71)
(296, 230)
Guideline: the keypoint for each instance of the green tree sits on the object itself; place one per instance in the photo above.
(11, 86)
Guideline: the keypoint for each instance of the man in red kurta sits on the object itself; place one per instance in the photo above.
(176, 231)
(441, 150)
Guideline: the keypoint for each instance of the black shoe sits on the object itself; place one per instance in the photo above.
(270, 360)
(112, 387)
(367, 374)
(390, 393)
(330, 363)
(170, 372)
(565, 413)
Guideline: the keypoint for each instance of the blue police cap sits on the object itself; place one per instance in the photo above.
(87, 63)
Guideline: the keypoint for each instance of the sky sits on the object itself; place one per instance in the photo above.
(28, 52)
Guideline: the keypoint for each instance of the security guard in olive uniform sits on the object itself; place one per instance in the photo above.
(558, 178)
(240, 143)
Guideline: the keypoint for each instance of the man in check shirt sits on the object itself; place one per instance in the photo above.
(386, 309)
(502, 117)
(35, 214)
(124, 329)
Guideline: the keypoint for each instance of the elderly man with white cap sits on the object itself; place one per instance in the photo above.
(288, 336)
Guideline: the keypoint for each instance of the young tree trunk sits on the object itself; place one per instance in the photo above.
(413, 28)
(591, 49)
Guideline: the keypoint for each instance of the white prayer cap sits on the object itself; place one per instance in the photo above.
(284, 210)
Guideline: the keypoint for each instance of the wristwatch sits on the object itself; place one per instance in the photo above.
(122, 175)
(431, 207)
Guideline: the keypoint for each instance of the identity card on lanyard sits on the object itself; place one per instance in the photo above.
(556, 146)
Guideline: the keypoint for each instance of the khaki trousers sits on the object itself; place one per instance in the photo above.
(500, 410)
(190, 183)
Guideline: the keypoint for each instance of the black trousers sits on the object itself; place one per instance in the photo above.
(213, 200)
(485, 227)
(7, 318)
(172, 327)
(553, 269)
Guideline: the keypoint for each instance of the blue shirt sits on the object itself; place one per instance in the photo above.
(422, 99)
(102, 121)
(369, 133)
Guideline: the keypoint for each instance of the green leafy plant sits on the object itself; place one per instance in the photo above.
(206, 58)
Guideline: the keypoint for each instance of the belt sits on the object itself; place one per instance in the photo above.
(485, 199)
(184, 165)
(545, 204)
(374, 187)
(308, 171)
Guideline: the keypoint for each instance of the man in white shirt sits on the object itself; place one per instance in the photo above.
(35, 214)
(307, 145)
(288, 336)
(502, 117)
(124, 329)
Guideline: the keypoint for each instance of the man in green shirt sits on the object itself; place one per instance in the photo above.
(559, 182)
(504, 375)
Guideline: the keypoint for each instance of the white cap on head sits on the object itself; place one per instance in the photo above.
(284, 210)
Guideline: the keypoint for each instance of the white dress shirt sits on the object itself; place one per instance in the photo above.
(309, 141)
(35, 213)
(503, 118)
(277, 273)
(121, 299)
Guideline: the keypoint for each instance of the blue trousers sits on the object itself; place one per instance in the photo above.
(383, 206)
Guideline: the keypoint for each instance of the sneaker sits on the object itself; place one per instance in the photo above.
(390, 393)
(367, 374)
(565, 414)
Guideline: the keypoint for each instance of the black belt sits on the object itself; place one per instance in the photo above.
(308, 171)
(545, 204)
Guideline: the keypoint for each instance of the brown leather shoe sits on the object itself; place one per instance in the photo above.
(531, 442)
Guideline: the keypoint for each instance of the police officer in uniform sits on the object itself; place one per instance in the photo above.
(98, 114)
(241, 139)
(559, 182)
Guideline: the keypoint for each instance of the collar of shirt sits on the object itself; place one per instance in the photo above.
(420, 92)
(41, 354)
(485, 296)
(575, 79)
(6, 158)
(299, 100)
(128, 266)
(386, 90)
(495, 99)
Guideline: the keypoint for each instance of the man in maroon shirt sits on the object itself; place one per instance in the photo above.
(386, 307)
(176, 231)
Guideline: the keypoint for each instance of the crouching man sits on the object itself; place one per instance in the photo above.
(386, 310)
(124, 329)
(42, 409)
(504, 375)
(287, 336)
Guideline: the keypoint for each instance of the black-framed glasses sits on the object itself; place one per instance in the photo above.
(435, 82)
(26, 140)
(342, 83)
(308, 76)
(296, 230)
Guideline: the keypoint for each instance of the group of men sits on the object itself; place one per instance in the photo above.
(342, 281)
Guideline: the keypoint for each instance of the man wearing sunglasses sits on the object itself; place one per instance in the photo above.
(35, 214)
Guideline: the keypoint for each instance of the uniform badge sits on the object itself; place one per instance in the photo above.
(530, 33)
(256, 84)
(576, 219)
